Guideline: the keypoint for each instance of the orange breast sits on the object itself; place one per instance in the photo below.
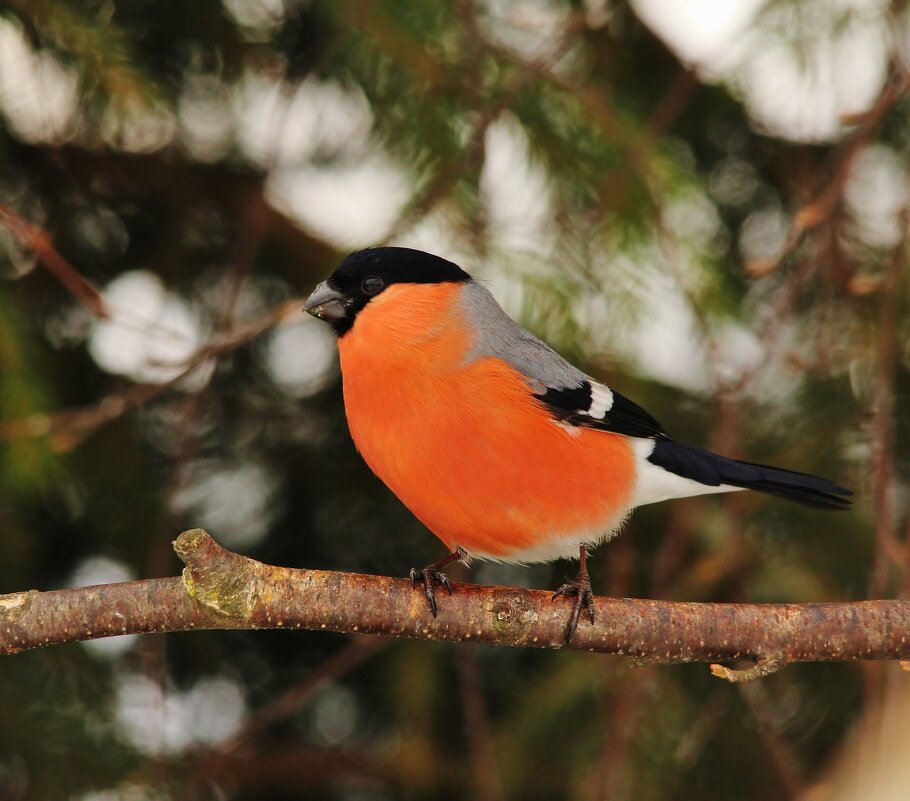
(464, 445)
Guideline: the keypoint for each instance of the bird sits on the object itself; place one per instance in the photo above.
(498, 445)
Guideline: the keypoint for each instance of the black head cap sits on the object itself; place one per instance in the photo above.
(366, 273)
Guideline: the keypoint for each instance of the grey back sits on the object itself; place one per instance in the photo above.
(499, 335)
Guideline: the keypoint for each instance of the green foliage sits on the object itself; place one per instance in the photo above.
(27, 465)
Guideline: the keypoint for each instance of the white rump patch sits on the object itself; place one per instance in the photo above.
(655, 484)
(601, 401)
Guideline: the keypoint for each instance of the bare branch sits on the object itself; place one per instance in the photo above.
(223, 590)
(70, 426)
(890, 551)
(41, 244)
(485, 773)
(218, 762)
(826, 200)
(770, 729)
(471, 154)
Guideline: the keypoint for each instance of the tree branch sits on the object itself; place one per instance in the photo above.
(41, 244)
(223, 590)
(825, 201)
(70, 426)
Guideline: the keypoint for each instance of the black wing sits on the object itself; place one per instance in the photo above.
(574, 405)
(587, 405)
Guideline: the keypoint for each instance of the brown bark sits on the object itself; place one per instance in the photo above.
(223, 590)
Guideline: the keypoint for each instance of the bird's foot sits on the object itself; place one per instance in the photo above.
(584, 599)
(431, 576)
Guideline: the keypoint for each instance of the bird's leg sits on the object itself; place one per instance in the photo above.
(432, 575)
(581, 589)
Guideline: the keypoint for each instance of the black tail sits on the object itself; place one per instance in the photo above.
(713, 470)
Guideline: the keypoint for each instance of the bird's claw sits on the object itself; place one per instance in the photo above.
(430, 577)
(584, 599)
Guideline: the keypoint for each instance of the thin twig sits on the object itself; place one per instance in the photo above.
(477, 725)
(700, 731)
(890, 551)
(673, 103)
(40, 243)
(471, 154)
(827, 199)
(612, 777)
(782, 754)
(291, 702)
(72, 425)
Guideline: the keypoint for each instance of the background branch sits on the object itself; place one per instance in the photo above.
(41, 244)
(223, 590)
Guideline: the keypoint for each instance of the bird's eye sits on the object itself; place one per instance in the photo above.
(371, 284)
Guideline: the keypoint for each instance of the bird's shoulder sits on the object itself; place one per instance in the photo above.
(567, 393)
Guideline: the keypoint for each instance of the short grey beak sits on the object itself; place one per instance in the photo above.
(326, 303)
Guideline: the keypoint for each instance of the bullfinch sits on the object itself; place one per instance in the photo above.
(503, 449)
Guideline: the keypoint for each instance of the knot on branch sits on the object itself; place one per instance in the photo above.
(215, 577)
(512, 617)
(15, 605)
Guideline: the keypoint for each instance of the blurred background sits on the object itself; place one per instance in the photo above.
(704, 204)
